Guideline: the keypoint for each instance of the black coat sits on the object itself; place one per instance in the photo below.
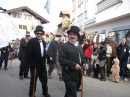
(52, 50)
(23, 47)
(123, 52)
(102, 53)
(34, 53)
(81, 39)
(5, 49)
(69, 57)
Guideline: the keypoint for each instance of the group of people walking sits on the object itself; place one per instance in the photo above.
(78, 53)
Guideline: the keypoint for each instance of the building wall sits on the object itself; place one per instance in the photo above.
(91, 6)
(109, 25)
(29, 23)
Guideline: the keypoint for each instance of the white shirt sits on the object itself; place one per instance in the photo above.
(94, 40)
(41, 46)
(108, 51)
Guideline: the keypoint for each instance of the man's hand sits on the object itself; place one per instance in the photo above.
(85, 66)
(51, 58)
(77, 67)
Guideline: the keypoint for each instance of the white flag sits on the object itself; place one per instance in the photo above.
(8, 30)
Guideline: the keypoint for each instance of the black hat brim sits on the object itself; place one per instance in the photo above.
(39, 30)
(73, 32)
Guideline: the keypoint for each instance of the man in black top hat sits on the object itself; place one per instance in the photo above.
(71, 58)
(36, 55)
(24, 67)
(53, 54)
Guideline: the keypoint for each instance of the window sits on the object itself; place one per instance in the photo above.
(24, 27)
(25, 16)
(17, 15)
(20, 26)
(121, 34)
(29, 17)
(31, 28)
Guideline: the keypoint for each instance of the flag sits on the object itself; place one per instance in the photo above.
(47, 6)
(8, 30)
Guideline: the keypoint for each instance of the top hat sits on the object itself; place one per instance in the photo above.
(58, 35)
(27, 33)
(75, 30)
(39, 28)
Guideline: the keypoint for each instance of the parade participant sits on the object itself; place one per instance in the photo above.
(71, 58)
(53, 54)
(36, 55)
(24, 67)
(4, 56)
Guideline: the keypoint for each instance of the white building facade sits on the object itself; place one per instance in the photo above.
(102, 16)
(25, 19)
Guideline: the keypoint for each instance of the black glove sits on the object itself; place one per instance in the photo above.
(33, 65)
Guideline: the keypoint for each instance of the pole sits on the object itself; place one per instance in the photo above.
(81, 74)
(34, 81)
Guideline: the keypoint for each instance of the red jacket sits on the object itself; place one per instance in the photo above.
(88, 52)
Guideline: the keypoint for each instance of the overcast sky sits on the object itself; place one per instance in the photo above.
(56, 7)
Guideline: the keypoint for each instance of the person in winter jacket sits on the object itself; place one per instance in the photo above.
(122, 54)
(102, 59)
(95, 61)
(87, 49)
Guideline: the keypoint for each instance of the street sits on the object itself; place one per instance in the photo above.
(12, 86)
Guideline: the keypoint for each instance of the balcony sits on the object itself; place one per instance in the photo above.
(104, 4)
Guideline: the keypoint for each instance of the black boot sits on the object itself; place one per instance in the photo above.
(102, 74)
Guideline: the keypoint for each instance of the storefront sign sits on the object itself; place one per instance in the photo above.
(86, 22)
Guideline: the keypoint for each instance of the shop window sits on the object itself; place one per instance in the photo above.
(121, 34)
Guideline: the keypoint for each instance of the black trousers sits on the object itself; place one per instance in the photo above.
(4, 57)
(42, 74)
(24, 67)
(71, 88)
(51, 66)
(79, 81)
(108, 65)
(96, 70)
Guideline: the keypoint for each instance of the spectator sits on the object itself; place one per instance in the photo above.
(95, 61)
(82, 37)
(108, 57)
(108, 37)
(87, 49)
(114, 46)
(97, 38)
(122, 54)
(102, 59)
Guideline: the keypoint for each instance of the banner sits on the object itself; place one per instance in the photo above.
(8, 30)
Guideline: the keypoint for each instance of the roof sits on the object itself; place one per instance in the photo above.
(27, 9)
(64, 12)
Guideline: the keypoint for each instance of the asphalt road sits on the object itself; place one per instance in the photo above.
(12, 86)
